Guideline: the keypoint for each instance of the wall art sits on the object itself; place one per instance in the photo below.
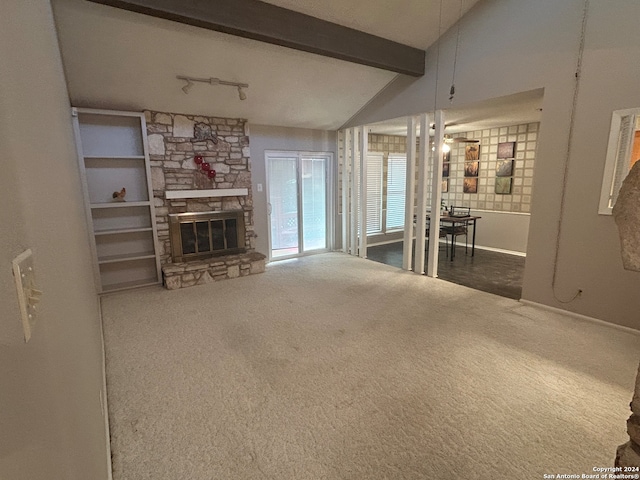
(470, 185)
(472, 152)
(504, 168)
(503, 185)
(506, 149)
(471, 169)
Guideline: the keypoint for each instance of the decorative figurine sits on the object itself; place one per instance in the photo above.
(119, 196)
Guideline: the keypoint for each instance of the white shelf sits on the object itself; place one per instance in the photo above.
(118, 231)
(120, 204)
(216, 192)
(116, 287)
(113, 153)
(125, 257)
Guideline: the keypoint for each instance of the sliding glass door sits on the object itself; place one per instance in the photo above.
(298, 202)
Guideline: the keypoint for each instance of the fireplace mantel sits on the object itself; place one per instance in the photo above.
(216, 192)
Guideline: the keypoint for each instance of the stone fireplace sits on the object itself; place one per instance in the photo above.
(204, 221)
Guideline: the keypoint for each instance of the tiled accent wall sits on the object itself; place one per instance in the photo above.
(387, 143)
(519, 200)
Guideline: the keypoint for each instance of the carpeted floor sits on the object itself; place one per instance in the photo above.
(334, 367)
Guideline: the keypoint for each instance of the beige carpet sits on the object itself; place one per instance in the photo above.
(334, 367)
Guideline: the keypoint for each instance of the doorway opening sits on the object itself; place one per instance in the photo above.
(488, 160)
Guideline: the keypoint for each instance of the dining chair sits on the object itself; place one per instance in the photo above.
(458, 230)
(441, 234)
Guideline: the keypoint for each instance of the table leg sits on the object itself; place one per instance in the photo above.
(473, 240)
(453, 245)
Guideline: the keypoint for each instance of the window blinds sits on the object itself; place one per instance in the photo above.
(374, 193)
(627, 130)
(396, 191)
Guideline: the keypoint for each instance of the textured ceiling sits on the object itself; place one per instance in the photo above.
(416, 23)
(525, 107)
(127, 61)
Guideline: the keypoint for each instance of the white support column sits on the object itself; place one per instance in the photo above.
(364, 148)
(410, 194)
(344, 183)
(436, 195)
(353, 192)
(421, 210)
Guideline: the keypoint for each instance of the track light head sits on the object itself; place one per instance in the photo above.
(188, 86)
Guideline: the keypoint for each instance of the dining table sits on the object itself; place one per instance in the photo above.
(465, 221)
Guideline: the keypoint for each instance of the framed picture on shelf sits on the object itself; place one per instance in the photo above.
(445, 170)
(504, 168)
(471, 169)
(470, 185)
(503, 185)
(506, 149)
(472, 151)
(445, 185)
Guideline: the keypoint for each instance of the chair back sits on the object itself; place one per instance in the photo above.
(459, 211)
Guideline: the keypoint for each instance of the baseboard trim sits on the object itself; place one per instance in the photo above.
(501, 250)
(481, 247)
(579, 316)
(385, 242)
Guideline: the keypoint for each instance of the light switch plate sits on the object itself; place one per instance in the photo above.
(28, 293)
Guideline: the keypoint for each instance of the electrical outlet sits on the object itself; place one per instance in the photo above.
(28, 293)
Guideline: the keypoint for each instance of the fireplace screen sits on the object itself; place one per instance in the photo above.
(206, 234)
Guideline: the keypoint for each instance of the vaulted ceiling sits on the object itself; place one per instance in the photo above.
(122, 60)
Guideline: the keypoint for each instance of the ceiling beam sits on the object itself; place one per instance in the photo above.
(272, 24)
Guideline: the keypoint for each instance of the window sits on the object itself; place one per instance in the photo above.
(396, 191)
(374, 193)
(622, 152)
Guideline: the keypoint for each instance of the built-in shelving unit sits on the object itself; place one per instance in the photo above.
(112, 148)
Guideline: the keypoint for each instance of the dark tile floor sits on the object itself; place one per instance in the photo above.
(493, 272)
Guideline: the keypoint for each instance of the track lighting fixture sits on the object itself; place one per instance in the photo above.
(213, 81)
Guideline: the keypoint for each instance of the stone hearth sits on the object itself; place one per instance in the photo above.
(179, 275)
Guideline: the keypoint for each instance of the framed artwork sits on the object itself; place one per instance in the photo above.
(472, 151)
(470, 185)
(506, 149)
(445, 170)
(504, 168)
(445, 185)
(446, 156)
(471, 169)
(503, 185)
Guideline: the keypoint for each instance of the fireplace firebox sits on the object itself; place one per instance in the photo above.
(201, 235)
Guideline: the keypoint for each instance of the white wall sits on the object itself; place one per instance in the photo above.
(496, 230)
(510, 46)
(263, 138)
(50, 411)
(502, 230)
